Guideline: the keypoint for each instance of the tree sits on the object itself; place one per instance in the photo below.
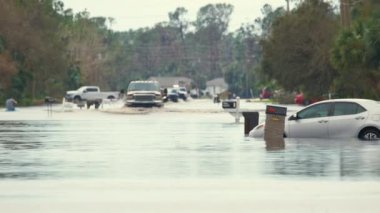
(242, 60)
(296, 54)
(211, 25)
(34, 52)
(270, 16)
(179, 22)
(356, 55)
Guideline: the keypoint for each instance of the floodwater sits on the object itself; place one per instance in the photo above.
(186, 157)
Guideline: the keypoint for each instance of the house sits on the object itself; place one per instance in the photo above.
(216, 86)
(167, 82)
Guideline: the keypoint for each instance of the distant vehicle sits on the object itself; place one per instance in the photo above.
(182, 93)
(337, 118)
(172, 94)
(91, 95)
(300, 100)
(144, 93)
(194, 93)
(265, 93)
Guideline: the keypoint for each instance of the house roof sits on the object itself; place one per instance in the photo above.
(217, 82)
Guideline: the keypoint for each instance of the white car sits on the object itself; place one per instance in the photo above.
(338, 118)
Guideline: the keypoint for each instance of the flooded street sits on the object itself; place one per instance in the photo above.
(185, 157)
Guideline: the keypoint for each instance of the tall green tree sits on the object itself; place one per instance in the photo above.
(296, 54)
(33, 47)
(356, 54)
(211, 25)
(179, 22)
(239, 70)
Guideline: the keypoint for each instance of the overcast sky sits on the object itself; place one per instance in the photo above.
(134, 14)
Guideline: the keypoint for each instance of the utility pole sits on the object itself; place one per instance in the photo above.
(287, 5)
(345, 13)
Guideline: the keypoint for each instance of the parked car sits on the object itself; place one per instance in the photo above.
(182, 93)
(194, 93)
(172, 94)
(144, 93)
(337, 118)
(265, 93)
(91, 95)
(301, 100)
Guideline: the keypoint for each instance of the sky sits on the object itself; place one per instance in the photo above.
(134, 14)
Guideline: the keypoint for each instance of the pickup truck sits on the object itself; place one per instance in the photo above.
(91, 95)
(144, 93)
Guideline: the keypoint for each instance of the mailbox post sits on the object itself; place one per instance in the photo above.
(49, 104)
(251, 120)
(274, 127)
(235, 106)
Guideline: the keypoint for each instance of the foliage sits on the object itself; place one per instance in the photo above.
(356, 54)
(270, 16)
(31, 57)
(46, 49)
(296, 53)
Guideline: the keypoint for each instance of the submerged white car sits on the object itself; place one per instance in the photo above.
(338, 118)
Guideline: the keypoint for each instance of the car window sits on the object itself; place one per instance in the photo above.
(347, 109)
(92, 89)
(173, 91)
(143, 86)
(316, 111)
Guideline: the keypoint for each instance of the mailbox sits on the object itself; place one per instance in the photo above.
(251, 120)
(230, 104)
(276, 110)
(49, 100)
(274, 126)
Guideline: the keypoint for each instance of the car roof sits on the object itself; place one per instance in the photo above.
(144, 81)
(356, 100)
(367, 103)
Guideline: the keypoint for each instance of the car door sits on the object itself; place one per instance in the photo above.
(91, 93)
(311, 122)
(347, 119)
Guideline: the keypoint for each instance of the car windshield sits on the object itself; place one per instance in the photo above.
(172, 90)
(143, 86)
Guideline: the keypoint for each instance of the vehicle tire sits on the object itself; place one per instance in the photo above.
(111, 97)
(77, 99)
(88, 104)
(370, 134)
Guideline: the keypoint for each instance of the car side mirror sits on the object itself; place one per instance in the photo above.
(293, 117)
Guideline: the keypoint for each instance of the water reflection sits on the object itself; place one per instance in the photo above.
(275, 144)
(170, 146)
(326, 158)
(22, 135)
(21, 146)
